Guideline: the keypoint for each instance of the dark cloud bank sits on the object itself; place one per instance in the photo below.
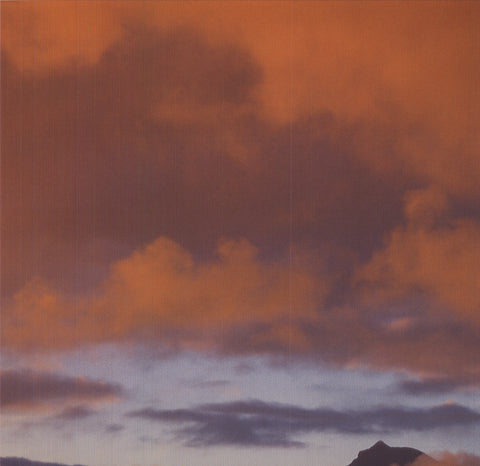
(28, 388)
(256, 423)
(89, 153)
(438, 385)
(14, 461)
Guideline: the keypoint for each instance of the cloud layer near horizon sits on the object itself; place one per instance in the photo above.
(256, 423)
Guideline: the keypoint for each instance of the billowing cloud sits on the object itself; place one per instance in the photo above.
(349, 75)
(432, 255)
(186, 154)
(26, 389)
(334, 144)
(162, 294)
(164, 281)
(161, 166)
(256, 423)
(167, 130)
(239, 303)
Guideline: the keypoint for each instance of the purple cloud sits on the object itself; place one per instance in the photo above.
(256, 423)
(24, 388)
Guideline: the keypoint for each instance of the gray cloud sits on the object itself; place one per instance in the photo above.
(438, 385)
(22, 388)
(74, 413)
(369, 338)
(256, 423)
(206, 384)
(114, 428)
(14, 461)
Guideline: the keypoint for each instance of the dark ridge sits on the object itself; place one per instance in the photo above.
(381, 454)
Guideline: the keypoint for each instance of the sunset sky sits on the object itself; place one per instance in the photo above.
(239, 232)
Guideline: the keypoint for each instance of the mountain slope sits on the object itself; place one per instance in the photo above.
(381, 454)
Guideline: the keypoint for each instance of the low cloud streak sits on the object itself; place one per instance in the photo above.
(256, 423)
(15, 461)
(24, 389)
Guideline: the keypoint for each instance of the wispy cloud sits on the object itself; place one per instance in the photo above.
(15, 461)
(114, 428)
(74, 413)
(438, 385)
(256, 423)
(207, 384)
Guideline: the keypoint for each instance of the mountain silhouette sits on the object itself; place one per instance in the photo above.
(381, 454)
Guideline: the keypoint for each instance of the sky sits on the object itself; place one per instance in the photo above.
(239, 232)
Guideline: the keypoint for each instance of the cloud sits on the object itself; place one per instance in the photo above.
(161, 295)
(256, 423)
(433, 88)
(133, 152)
(158, 69)
(206, 384)
(424, 76)
(439, 261)
(188, 140)
(74, 413)
(449, 459)
(240, 303)
(14, 461)
(27, 389)
(163, 280)
(114, 428)
(374, 339)
(189, 134)
(437, 385)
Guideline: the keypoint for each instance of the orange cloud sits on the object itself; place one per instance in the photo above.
(43, 34)
(38, 317)
(349, 57)
(162, 297)
(407, 67)
(129, 121)
(161, 289)
(440, 261)
(448, 459)
(160, 292)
